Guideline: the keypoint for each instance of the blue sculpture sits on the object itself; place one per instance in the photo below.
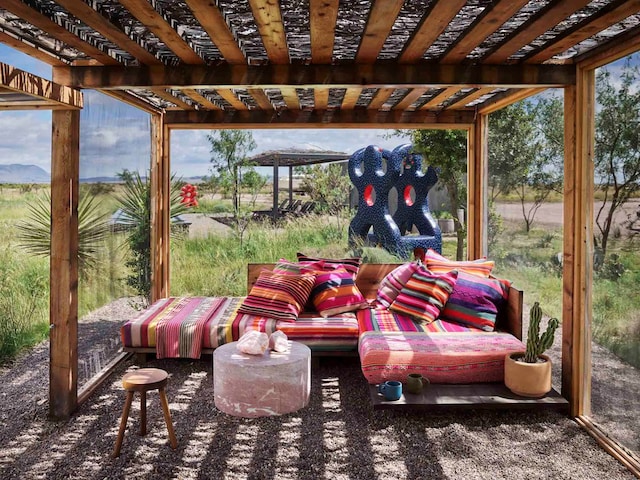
(374, 172)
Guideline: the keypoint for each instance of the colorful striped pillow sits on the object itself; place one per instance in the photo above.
(424, 295)
(285, 267)
(351, 265)
(336, 292)
(394, 281)
(436, 263)
(278, 296)
(475, 301)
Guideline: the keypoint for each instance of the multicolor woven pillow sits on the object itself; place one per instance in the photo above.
(278, 296)
(285, 267)
(351, 265)
(336, 292)
(475, 301)
(436, 263)
(424, 295)
(394, 282)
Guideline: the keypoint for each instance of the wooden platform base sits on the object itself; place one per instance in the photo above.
(474, 396)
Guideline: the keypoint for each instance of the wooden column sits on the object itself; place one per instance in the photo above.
(477, 178)
(579, 115)
(290, 184)
(63, 314)
(160, 207)
(276, 186)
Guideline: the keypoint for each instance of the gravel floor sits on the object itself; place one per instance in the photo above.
(338, 436)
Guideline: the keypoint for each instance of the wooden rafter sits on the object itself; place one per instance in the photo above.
(211, 19)
(30, 50)
(469, 98)
(261, 98)
(196, 96)
(322, 24)
(321, 98)
(104, 27)
(149, 16)
(409, 98)
(609, 15)
(616, 48)
(231, 98)
(356, 118)
(61, 34)
(433, 24)
(162, 93)
(382, 95)
(323, 76)
(532, 29)
(290, 97)
(441, 97)
(351, 96)
(382, 16)
(482, 27)
(501, 100)
(132, 100)
(269, 22)
(37, 90)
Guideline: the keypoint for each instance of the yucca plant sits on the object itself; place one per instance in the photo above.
(536, 343)
(34, 232)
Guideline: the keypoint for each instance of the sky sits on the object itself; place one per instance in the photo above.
(114, 136)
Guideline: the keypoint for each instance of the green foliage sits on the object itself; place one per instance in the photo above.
(611, 268)
(617, 149)
(95, 189)
(254, 183)
(34, 233)
(536, 343)
(327, 185)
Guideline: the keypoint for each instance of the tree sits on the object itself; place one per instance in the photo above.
(254, 182)
(447, 151)
(229, 150)
(617, 149)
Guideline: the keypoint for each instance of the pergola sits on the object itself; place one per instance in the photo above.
(322, 63)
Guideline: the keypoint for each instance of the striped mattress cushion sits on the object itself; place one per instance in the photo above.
(442, 357)
(380, 319)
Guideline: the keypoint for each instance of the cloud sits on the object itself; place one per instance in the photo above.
(26, 138)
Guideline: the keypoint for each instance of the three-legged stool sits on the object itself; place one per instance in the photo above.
(142, 381)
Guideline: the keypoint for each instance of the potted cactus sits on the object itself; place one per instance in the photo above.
(528, 373)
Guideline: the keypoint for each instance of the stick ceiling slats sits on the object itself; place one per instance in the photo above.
(30, 50)
(408, 100)
(322, 24)
(441, 97)
(382, 16)
(261, 98)
(321, 98)
(197, 97)
(290, 97)
(232, 99)
(100, 24)
(608, 17)
(211, 19)
(382, 95)
(484, 26)
(351, 96)
(617, 47)
(162, 93)
(469, 98)
(38, 20)
(148, 16)
(269, 22)
(530, 30)
(431, 27)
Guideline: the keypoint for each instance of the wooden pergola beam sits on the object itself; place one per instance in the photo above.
(382, 16)
(160, 203)
(477, 181)
(32, 51)
(44, 92)
(501, 100)
(408, 100)
(132, 100)
(388, 75)
(269, 22)
(359, 118)
(323, 15)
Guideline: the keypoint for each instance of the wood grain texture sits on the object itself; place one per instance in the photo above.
(381, 96)
(269, 22)
(197, 97)
(290, 97)
(30, 50)
(440, 98)
(463, 102)
(322, 24)
(382, 16)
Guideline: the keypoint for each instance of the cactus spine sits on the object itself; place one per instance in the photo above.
(537, 344)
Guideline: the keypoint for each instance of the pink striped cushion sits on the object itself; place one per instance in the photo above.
(436, 263)
(278, 296)
(336, 292)
(351, 265)
(394, 282)
(382, 320)
(424, 295)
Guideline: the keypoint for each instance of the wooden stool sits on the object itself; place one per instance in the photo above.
(142, 381)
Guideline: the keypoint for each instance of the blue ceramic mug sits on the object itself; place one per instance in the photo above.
(391, 389)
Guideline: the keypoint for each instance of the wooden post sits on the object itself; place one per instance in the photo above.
(579, 115)
(477, 177)
(63, 314)
(160, 208)
(276, 186)
(290, 184)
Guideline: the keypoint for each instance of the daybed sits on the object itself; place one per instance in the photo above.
(390, 344)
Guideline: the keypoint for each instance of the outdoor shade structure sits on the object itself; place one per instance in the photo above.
(334, 64)
(292, 158)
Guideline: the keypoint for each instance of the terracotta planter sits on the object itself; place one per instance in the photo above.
(527, 379)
